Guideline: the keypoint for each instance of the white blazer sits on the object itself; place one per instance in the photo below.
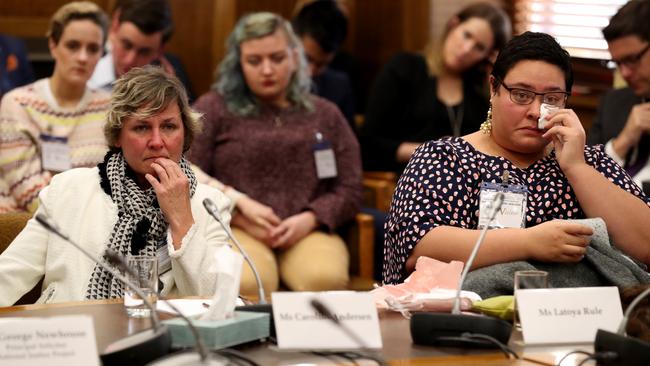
(75, 201)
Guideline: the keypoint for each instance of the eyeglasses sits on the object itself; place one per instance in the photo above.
(630, 61)
(524, 96)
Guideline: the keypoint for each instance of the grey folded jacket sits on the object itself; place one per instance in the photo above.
(603, 265)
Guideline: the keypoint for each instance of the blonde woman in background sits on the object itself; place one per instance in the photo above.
(441, 92)
(55, 123)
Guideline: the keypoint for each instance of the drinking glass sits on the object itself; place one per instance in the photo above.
(146, 269)
(528, 280)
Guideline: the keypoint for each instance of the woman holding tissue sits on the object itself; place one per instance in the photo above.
(143, 199)
(446, 192)
(291, 152)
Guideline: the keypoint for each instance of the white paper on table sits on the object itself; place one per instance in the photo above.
(189, 307)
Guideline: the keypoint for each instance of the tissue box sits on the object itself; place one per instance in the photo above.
(241, 328)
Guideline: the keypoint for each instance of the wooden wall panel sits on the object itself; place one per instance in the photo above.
(194, 28)
(377, 30)
(30, 18)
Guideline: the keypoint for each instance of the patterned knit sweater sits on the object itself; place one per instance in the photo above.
(28, 112)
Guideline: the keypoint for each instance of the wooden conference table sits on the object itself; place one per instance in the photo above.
(111, 323)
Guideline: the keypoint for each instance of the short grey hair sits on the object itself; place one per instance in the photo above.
(230, 81)
(143, 92)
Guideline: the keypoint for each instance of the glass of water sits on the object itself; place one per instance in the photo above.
(528, 280)
(146, 269)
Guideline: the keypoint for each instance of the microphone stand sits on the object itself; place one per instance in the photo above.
(325, 311)
(141, 348)
(261, 306)
(461, 330)
(145, 347)
(212, 209)
(619, 349)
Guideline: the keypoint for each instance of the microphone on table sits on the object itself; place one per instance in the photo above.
(146, 346)
(261, 306)
(324, 311)
(212, 209)
(619, 349)
(462, 330)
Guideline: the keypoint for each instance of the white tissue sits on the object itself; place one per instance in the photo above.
(544, 110)
(228, 267)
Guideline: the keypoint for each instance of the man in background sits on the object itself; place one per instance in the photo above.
(623, 119)
(139, 32)
(322, 28)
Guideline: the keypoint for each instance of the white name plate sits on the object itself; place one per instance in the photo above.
(299, 326)
(568, 315)
(55, 341)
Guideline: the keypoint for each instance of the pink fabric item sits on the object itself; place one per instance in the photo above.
(429, 274)
(431, 287)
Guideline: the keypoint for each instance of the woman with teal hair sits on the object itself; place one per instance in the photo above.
(292, 153)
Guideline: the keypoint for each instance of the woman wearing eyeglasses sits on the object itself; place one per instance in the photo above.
(551, 174)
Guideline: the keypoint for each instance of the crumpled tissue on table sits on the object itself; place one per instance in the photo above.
(431, 287)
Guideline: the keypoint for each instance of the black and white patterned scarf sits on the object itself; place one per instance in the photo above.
(140, 223)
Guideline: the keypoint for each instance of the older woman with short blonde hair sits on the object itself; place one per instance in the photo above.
(143, 199)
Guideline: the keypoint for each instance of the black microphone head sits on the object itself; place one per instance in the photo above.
(46, 223)
(625, 351)
(50, 226)
(118, 261)
(323, 310)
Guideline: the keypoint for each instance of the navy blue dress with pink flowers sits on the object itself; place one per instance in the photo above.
(441, 186)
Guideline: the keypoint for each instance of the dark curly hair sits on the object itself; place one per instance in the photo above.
(536, 47)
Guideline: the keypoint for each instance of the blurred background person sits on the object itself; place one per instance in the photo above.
(139, 33)
(623, 119)
(55, 123)
(143, 199)
(15, 69)
(441, 92)
(291, 152)
(322, 28)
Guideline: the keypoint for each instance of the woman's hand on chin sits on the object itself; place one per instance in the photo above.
(173, 192)
(558, 241)
(568, 137)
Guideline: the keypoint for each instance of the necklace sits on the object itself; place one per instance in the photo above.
(455, 118)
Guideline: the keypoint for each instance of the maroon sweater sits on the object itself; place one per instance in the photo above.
(270, 157)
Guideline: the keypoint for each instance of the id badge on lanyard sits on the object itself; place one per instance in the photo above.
(324, 158)
(55, 153)
(513, 210)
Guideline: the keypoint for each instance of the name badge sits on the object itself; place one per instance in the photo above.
(568, 315)
(162, 254)
(299, 325)
(56, 341)
(513, 210)
(324, 158)
(55, 153)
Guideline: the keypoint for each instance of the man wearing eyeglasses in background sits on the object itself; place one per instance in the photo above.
(623, 119)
